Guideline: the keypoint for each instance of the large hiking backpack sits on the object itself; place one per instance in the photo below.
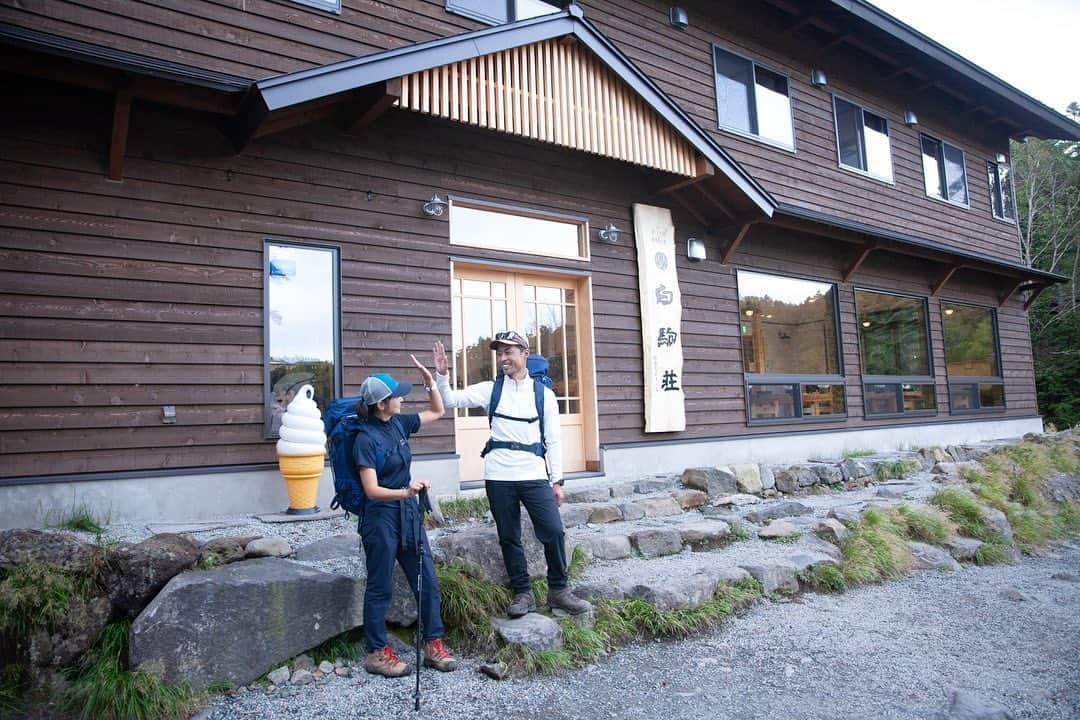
(342, 424)
(537, 367)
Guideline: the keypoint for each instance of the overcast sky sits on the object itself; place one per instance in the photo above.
(1026, 43)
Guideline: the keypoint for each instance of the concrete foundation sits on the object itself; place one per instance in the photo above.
(190, 498)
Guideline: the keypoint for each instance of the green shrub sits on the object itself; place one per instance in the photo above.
(827, 578)
(889, 469)
(102, 689)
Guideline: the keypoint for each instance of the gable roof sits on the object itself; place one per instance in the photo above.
(280, 93)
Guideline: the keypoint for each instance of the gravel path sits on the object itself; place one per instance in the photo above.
(1010, 634)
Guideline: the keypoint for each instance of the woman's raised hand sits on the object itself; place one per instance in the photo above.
(442, 365)
(425, 374)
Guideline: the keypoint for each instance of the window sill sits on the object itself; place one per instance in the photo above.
(1007, 221)
(867, 174)
(805, 420)
(978, 411)
(757, 138)
(954, 203)
(910, 413)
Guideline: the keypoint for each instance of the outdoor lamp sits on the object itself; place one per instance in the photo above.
(910, 118)
(436, 206)
(608, 234)
(817, 78)
(695, 249)
(678, 17)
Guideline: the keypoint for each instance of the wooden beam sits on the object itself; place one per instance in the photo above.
(681, 199)
(1012, 289)
(859, 260)
(945, 277)
(118, 141)
(734, 244)
(1036, 292)
(714, 199)
(369, 103)
(703, 169)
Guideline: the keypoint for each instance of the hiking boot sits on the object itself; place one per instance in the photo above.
(437, 656)
(523, 604)
(564, 599)
(384, 662)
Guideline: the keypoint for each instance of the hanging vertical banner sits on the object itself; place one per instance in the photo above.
(661, 315)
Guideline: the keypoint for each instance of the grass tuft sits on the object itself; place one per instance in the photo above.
(467, 606)
(926, 524)
(875, 550)
(827, 578)
(852, 454)
(964, 510)
(348, 645)
(12, 704)
(103, 690)
(890, 469)
(464, 508)
(33, 595)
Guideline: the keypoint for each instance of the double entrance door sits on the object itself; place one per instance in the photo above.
(548, 311)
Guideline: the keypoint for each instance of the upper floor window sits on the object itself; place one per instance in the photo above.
(301, 326)
(862, 140)
(333, 6)
(498, 12)
(518, 230)
(971, 358)
(943, 170)
(790, 348)
(894, 340)
(1002, 200)
(752, 99)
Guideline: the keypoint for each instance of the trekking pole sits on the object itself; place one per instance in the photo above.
(425, 507)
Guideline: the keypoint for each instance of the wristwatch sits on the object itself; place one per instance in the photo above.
(427, 388)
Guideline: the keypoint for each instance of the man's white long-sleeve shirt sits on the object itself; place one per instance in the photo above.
(517, 400)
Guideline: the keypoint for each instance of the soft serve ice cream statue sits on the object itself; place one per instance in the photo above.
(301, 451)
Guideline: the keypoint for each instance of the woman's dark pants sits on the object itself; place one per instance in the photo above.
(506, 498)
(380, 534)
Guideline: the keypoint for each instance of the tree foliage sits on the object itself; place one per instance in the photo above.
(1047, 174)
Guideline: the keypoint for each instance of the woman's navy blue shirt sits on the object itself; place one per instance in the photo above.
(396, 472)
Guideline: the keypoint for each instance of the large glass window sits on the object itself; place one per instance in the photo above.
(894, 343)
(862, 140)
(790, 348)
(943, 170)
(498, 12)
(536, 233)
(301, 326)
(971, 358)
(1002, 202)
(752, 99)
(333, 6)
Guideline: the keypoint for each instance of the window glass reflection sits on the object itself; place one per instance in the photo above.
(878, 153)
(769, 402)
(788, 326)
(892, 331)
(516, 233)
(970, 341)
(773, 106)
(734, 94)
(823, 400)
(302, 312)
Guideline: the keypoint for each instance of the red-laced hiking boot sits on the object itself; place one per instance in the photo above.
(384, 662)
(437, 656)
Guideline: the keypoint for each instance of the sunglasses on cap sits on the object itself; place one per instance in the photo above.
(509, 338)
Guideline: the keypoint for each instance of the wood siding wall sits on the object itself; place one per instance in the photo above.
(259, 38)
(118, 298)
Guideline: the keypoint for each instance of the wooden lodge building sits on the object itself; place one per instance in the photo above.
(763, 230)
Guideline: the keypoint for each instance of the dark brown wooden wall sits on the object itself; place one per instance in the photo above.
(118, 298)
(259, 38)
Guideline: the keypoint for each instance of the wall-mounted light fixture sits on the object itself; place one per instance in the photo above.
(695, 249)
(608, 234)
(1001, 158)
(168, 414)
(436, 206)
(679, 18)
(910, 118)
(817, 78)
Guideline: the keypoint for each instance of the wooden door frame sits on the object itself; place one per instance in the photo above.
(586, 340)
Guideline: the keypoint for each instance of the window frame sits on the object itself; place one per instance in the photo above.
(488, 19)
(796, 379)
(336, 337)
(898, 380)
(891, 180)
(584, 248)
(753, 74)
(1012, 195)
(942, 177)
(330, 6)
(974, 379)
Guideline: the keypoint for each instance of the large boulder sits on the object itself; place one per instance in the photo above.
(1062, 487)
(238, 622)
(479, 548)
(929, 557)
(135, 573)
(659, 506)
(59, 551)
(671, 593)
(792, 479)
(654, 542)
(609, 547)
(704, 534)
(587, 495)
(748, 478)
(63, 644)
(224, 550)
(714, 481)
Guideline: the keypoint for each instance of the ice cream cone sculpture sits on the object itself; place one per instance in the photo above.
(301, 451)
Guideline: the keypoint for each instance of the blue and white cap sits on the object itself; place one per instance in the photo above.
(381, 386)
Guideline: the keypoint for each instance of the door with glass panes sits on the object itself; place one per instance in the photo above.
(545, 309)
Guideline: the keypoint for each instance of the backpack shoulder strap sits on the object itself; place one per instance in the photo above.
(538, 391)
(496, 394)
(380, 449)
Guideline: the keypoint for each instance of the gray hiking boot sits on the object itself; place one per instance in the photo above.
(523, 604)
(565, 599)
